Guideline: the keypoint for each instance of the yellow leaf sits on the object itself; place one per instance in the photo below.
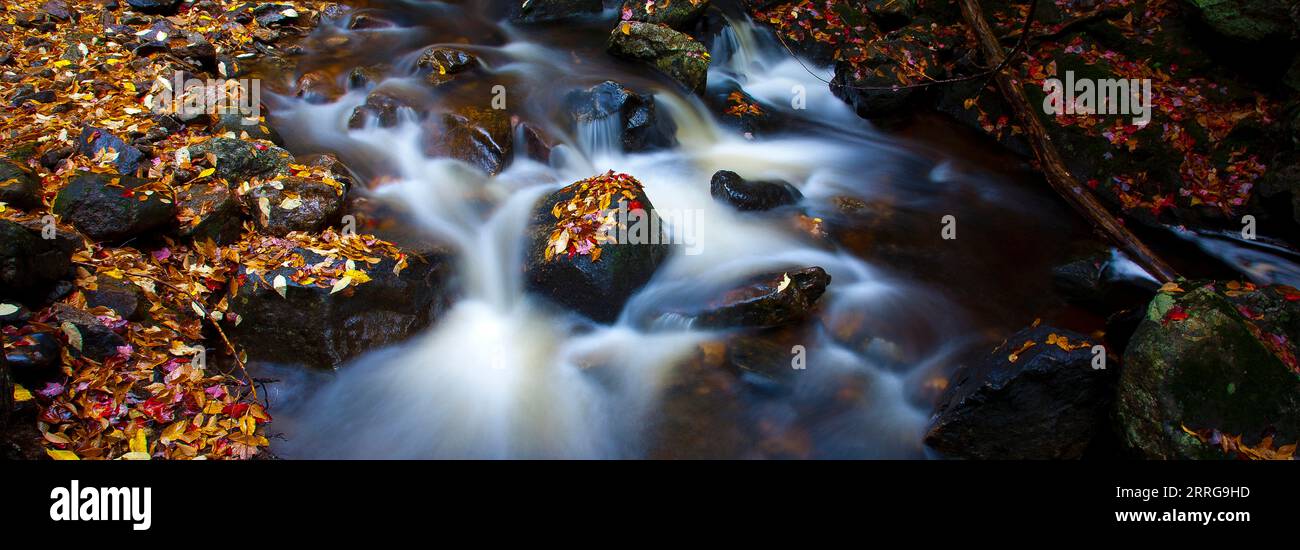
(136, 455)
(341, 284)
(62, 455)
(785, 282)
(21, 394)
(207, 172)
(138, 443)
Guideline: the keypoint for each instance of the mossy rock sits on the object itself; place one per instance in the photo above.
(1211, 358)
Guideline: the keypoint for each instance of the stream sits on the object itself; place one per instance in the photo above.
(503, 375)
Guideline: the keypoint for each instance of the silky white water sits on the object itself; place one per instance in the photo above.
(503, 375)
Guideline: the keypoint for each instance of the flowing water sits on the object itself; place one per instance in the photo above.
(503, 375)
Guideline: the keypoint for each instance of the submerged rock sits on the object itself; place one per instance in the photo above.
(673, 53)
(729, 187)
(1036, 397)
(112, 208)
(481, 137)
(1212, 358)
(314, 326)
(284, 205)
(678, 14)
(570, 264)
(19, 188)
(382, 107)
(639, 125)
(535, 11)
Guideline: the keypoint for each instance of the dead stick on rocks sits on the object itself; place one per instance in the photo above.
(1053, 166)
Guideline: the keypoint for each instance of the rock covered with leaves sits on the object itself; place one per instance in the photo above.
(574, 257)
(1212, 372)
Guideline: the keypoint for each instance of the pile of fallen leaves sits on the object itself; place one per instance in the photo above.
(586, 221)
(1232, 445)
(160, 395)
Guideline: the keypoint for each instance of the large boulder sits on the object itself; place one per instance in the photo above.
(112, 208)
(1212, 358)
(573, 257)
(320, 324)
(19, 188)
(30, 264)
(481, 137)
(729, 187)
(536, 11)
(640, 126)
(1036, 397)
(673, 53)
(239, 160)
(283, 205)
(678, 14)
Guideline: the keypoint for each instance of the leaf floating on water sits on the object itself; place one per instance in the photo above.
(280, 286)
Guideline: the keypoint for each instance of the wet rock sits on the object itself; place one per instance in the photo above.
(97, 140)
(19, 188)
(480, 137)
(737, 109)
(1247, 20)
(294, 204)
(867, 85)
(536, 11)
(242, 126)
(314, 327)
(105, 211)
(1212, 358)
(1098, 283)
(596, 288)
(32, 266)
(537, 144)
(1049, 403)
(382, 107)
(673, 53)
(640, 126)
(440, 64)
(154, 6)
(762, 358)
(361, 77)
(273, 15)
(209, 212)
(317, 87)
(769, 300)
(123, 297)
(680, 15)
(240, 160)
(729, 187)
(34, 358)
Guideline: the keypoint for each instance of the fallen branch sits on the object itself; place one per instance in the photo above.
(1053, 166)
